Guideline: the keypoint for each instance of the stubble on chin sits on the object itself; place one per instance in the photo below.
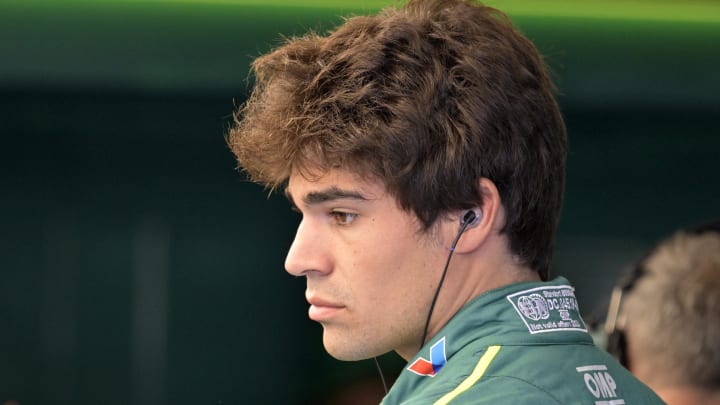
(350, 345)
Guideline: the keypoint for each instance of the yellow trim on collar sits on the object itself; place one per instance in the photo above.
(480, 368)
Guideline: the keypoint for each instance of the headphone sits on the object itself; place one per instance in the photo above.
(616, 343)
(470, 219)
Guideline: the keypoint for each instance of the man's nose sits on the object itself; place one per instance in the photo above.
(308, 252)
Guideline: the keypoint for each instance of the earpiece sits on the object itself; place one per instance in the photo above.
(471, 218)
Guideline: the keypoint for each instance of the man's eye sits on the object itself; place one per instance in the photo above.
(343, 218)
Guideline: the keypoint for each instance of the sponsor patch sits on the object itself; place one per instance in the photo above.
(600, 384)
(428, 368)
(548, 309)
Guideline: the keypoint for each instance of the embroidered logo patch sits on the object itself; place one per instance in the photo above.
(437, 361)
(601, 384)
(548, 309)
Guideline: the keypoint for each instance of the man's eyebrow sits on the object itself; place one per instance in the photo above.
(329, 194)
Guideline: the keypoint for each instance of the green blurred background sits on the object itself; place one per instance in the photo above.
(138, 267)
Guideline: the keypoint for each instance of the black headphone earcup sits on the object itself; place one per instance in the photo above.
(617, 347)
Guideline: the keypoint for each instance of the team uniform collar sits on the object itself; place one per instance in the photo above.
(518, 314)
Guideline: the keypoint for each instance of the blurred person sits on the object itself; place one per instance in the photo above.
(406, 139)
(664, 318)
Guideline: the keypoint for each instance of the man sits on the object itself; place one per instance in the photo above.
(408, 139)
(664, 320)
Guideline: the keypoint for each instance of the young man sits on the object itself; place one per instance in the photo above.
(408, 139)
(664, 321)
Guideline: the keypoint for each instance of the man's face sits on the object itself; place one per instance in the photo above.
(370, 272)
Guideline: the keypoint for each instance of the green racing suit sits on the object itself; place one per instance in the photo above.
(524, 343)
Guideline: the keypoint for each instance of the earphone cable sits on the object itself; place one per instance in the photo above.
(463, 226)
(382, 376)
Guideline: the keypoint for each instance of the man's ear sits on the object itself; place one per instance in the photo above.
(489, 218)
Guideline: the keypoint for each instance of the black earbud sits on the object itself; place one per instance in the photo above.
(471, 218)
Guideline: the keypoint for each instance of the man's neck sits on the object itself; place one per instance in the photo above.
(688, 395)
(474, 274)
(488, 268)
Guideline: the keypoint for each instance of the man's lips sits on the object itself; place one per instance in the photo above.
(322, 309)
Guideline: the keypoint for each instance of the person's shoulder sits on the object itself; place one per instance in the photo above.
(480, 377)
(506, 389)
(498, 389)
(558, 374)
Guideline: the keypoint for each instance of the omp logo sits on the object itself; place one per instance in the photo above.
(534, 307)
(600, 384)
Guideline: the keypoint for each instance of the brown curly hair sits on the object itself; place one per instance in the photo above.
(428, 99)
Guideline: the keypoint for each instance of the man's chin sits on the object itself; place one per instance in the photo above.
(347, 349)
